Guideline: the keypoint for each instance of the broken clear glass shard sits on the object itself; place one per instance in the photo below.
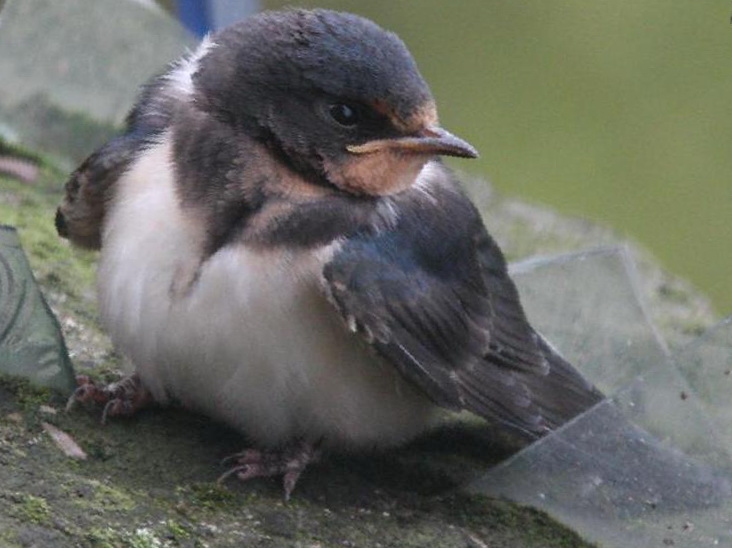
(706, 364)
(646, 467)
(31, 344)
(587, 305)
(614, 483)
(70, 71)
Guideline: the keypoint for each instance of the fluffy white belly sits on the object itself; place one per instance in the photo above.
(255, 342)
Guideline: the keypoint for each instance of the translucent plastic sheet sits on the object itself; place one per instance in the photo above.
(70, 70)
(650, 465)
(31, 344)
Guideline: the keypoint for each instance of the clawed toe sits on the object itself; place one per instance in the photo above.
(288, 462)
(122, 398)
(248, 456)
(86, 391)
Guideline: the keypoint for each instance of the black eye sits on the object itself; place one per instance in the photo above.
(345, 115)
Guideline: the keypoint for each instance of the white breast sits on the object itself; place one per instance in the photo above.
(254, 342)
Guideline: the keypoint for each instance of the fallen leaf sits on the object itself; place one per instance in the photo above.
(64, 442)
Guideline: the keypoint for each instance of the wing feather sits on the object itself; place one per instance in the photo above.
(80, 216)
(436, 292)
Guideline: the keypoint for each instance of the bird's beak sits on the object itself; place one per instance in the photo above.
(431, 140)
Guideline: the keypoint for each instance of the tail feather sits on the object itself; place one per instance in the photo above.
(563, 393)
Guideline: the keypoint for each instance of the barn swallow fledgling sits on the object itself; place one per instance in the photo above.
(282, 249)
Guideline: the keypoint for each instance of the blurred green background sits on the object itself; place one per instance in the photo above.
(617, 111)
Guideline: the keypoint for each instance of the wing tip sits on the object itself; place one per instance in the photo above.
(59, 221)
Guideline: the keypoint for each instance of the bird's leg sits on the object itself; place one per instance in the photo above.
(122, 398)
(288, 462)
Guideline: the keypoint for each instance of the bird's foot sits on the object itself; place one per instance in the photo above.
(120, 399)
(288, 462)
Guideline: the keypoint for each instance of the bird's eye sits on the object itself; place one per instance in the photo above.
(345, 115)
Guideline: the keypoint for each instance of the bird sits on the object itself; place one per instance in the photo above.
(283, 249)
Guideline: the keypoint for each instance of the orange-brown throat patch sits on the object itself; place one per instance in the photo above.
(377, 174)
(389, 170)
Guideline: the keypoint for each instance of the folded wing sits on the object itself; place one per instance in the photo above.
(433, 297)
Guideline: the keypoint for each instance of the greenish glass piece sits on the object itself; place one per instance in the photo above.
(31, 344)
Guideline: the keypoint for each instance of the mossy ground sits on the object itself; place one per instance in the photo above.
(151, 481)
(66, 275)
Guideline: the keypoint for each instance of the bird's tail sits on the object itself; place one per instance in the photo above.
(563, 393)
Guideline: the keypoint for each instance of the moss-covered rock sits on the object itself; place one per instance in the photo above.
(151, 481)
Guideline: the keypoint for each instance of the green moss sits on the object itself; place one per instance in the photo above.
(32, 213)
(8, 539)
(477, 512)
(27, 396)
(106, 496)
(210, 496)
(177, 530)
(99, 537)
(66, 275)
(144, 538)
(33, 509)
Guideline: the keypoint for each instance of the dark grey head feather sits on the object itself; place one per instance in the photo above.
(298, 51)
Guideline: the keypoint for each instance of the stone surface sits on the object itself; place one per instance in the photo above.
(70, 70)
(150, 481)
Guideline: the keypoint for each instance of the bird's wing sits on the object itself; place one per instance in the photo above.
(81, 214)
(434, 298)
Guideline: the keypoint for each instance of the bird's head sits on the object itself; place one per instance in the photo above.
(332, 94)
